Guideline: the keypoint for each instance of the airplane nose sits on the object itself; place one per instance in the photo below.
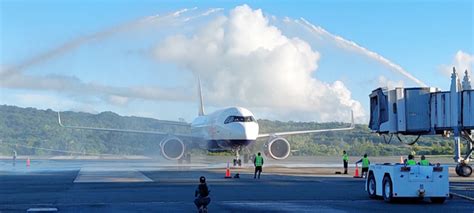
(247, 131)
(240, 129)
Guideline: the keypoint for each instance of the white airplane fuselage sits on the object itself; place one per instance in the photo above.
(228, 128)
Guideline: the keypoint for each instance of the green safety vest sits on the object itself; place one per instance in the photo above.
(365, 163)
(345, 157)
(424, 162)
(258, 160)
(411, 162)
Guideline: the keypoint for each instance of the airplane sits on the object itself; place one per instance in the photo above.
(228, 129)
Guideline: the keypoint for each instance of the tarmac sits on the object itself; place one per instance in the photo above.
(149, 185)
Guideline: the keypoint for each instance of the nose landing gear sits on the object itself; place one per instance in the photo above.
(237, 161)
(248, 157)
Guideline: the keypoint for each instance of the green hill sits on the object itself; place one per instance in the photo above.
(30, 127)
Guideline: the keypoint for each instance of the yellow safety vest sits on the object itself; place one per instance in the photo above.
(345, 157)
(258, 160)
(411, 162)
(425, 162)
(365, 163)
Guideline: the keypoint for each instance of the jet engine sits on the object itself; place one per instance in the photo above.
(277, 148)
(172, 148)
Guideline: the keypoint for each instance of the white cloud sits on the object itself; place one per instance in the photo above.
(243, 60)
(118, 100)
(462, 61)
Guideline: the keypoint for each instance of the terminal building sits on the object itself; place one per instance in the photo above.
(428, 111)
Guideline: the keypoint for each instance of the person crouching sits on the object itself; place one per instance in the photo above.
(202, 195)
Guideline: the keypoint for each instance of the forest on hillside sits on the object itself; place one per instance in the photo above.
(31, 131)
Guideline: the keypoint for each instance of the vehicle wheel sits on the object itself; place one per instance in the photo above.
(463, 170)
(458, 170)
(466, 170)
(371, 187)
(387, 190)
(437, 199)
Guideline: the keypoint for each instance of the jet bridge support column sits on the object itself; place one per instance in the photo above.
(463, 168)
(457, 149)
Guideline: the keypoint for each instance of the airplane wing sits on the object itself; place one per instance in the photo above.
(309, 131)
(127, 130)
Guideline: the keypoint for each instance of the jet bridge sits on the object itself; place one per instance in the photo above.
(427, 111)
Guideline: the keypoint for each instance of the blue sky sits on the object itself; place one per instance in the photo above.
(423, 37)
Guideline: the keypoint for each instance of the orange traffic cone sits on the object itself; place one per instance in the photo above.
(227, 172)
(401, 160)
(28, 162)
(356, 175)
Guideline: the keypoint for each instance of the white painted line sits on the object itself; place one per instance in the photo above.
(42, 210)
(94, 176)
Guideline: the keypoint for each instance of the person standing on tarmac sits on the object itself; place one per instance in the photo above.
(410, 161)
(365, 165)
(424, 162)
(202, 195)
(345, 161)
(258, 162)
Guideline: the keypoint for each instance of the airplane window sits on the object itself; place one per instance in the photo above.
(231, 119)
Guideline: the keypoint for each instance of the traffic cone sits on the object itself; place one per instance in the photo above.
(356, 175)
(28, 162)
(401, 160)
(227, 172)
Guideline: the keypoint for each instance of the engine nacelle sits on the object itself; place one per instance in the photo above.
(277, 148)
(172, 148)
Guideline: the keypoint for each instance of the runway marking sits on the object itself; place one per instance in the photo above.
(94, 176)
(42, 210)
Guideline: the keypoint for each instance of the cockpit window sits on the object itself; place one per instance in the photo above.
(231, 119)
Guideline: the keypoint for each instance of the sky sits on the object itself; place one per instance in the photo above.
(283, 60)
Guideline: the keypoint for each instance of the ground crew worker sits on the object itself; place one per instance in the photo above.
(410, 161)
(365, 165)
(258, 162)
(345, 161)
(202, 195)
(424, 162)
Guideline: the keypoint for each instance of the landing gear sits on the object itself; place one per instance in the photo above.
(463, 170)
(237, 160)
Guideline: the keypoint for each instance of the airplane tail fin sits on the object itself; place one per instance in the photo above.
(201, 104)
